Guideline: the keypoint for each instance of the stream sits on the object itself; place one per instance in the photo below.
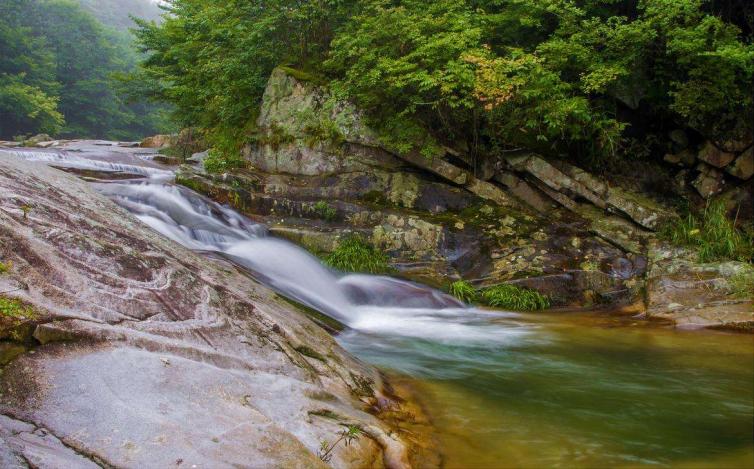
(503, 389)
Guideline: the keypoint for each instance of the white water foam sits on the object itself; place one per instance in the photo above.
(371, 304)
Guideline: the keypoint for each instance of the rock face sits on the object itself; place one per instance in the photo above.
(538, 223)
(697, 295)
(144, 354)
(435, 219)
(158, 141)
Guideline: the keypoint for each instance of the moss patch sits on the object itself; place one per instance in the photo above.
(325, 413)
(324, 321)
(304, 76)
(13, 308)
(310, 352)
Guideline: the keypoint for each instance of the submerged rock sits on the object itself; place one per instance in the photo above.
(146, 354)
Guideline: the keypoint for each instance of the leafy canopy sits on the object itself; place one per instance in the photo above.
(558, 76)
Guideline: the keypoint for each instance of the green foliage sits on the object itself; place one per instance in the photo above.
(712, 234)
(13, 308)
(5, 267)
(350, 434)
(57, 74)
(464, 291)
(310, 352)
(560, 77)
(515, 298)
(742, 284)
(325, 211)
(356, 255)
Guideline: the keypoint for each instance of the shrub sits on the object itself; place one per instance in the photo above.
(515, 298)
(5, 267)
(712, 234)
(356, 255)
(464, 291)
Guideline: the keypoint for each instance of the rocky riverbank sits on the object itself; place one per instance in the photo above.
(121, 348)
(317, 173)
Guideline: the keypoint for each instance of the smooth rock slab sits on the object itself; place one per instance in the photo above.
(149, 353)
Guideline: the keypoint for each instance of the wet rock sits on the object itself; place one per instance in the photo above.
(150, 354)
(692, 294)
(714, 156)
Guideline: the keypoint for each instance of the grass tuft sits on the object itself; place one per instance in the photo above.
(464, 291)
(325, 211)
(354, 254)
(713, 235)
(515, 298)
(742, 284)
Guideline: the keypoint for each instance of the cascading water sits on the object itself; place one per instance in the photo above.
(367, 303)
(504, 389)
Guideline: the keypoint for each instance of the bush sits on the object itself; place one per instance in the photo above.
(515, 298)
(714, 236)
(464, 291)
(356, 255)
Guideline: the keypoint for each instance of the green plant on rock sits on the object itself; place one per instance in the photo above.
(26, 209)
(354, 254)
(347, 436)
(5, 267)
(13, 308)
(713, 235)
(325, 211)
(324, 130)
(742, 284)
(219, 162)
(464, 291)
(515, 298)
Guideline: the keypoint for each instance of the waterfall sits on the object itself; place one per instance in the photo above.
(368, 303)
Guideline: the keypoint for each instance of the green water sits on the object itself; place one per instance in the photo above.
(580, 391)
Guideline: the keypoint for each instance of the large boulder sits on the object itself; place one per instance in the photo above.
(158, 141)
(145, 354)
